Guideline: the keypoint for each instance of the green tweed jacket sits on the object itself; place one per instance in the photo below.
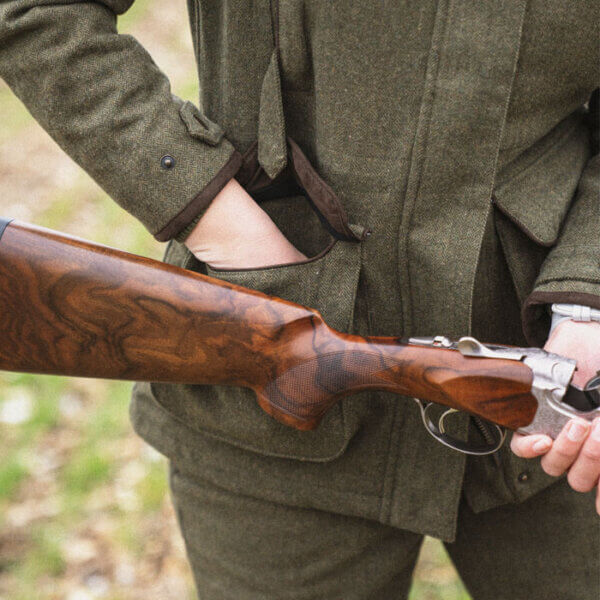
(460, 133)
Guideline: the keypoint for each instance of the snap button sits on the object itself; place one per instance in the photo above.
(365, 233)
(523, 477)
(167, 162)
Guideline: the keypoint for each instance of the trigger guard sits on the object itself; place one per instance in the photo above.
(438, 432)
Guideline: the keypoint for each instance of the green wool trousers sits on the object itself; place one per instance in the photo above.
(248, 548)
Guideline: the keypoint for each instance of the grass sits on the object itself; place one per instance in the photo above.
(84, 503)
(19, 119)
(46, 557)
(435, 577)
(153, 488)
(12, 473)
(87, 469)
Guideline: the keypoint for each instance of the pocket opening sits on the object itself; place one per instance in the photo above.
(309, 260)
(299, 177)
(537, 189)
(523, 253)
(326, 281)
(546, 243)
(276, 190)
(533, 196)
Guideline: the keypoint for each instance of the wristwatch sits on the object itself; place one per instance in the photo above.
(573, 312)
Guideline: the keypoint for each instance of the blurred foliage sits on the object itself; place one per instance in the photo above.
(84, 506)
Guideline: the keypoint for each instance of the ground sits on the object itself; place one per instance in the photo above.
(84, 506)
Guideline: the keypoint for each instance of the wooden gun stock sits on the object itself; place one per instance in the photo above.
(70, 307)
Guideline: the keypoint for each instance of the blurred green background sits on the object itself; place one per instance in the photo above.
(84, 505)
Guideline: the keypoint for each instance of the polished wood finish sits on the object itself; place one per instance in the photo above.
(70, 307)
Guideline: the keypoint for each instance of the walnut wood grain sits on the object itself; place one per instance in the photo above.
(70, 307)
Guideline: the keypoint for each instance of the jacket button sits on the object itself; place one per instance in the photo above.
(523, 477)
(167, 162)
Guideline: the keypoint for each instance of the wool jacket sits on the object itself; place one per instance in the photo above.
(435, 160)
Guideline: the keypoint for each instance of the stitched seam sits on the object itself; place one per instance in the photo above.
(417, 155)
(495, 166)
(425, 117)
(555, 147)
(282, 133)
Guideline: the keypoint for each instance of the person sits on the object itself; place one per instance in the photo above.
(405, 168)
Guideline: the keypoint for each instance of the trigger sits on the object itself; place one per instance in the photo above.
(437, 430)
(443, 416)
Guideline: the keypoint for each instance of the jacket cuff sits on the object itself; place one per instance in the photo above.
(181, 225)
(111, 109)
(536, 317)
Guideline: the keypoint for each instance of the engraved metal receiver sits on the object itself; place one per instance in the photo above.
(558, 401)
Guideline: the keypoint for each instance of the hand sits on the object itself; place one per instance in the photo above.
(235, 233)
(577, 448)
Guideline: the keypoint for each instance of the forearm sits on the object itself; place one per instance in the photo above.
(106, 103)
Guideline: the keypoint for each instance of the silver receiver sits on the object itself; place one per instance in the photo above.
(552, 375)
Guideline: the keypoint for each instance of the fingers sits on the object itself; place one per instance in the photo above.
(583, 475)
(566, 447)
(530, 446)
(576, 450)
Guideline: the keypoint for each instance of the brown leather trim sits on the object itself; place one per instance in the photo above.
(253, 178)
(324, 198)
(249, 165)
(536, 318)
(184, 217)
(321, 195)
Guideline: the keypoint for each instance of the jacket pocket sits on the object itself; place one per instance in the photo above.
(533, 197)
(326, 281)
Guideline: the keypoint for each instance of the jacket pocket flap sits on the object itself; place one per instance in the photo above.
(536, 191)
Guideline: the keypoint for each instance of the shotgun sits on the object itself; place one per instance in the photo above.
(71, 307)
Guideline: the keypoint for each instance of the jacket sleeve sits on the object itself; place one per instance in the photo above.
(106, 103)
(571, 271)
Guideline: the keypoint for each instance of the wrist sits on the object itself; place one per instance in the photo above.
(235, 232)
(580, 341)
(232, 213)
